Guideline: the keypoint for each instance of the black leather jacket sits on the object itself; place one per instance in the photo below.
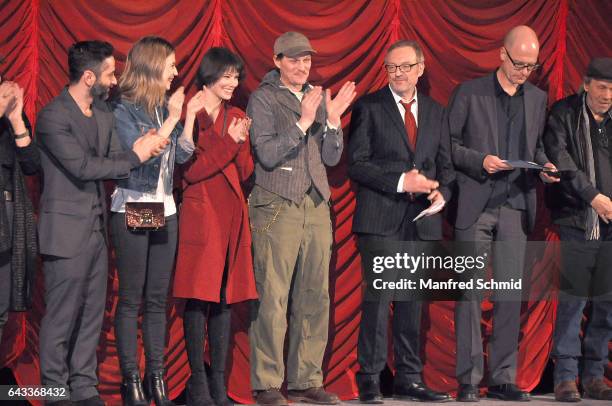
(570, 198)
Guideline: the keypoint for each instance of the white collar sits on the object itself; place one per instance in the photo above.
(398, 98)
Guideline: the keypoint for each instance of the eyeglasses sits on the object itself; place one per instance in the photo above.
(405, 67)
(520, 65)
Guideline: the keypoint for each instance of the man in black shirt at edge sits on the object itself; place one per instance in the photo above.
(577, 142)
(494, 119)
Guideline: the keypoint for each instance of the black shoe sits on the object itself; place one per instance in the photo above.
(155, 389)
(508, 391)
(92, 401)
(468, 393)
(417, 391)
(132, 393)
(369, 391)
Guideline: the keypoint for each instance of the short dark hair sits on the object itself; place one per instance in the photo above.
(87, 55)
(215, 62)
(408, 43)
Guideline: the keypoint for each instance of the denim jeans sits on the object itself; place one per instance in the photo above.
(582, 261)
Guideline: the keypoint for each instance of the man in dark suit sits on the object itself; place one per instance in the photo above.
(492, 119)
(79, 149)
(399, 145)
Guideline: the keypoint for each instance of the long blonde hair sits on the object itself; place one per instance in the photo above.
(141, 80)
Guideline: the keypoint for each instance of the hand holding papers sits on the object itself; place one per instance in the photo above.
(436, 206)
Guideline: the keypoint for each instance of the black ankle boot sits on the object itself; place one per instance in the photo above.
(155, 389)
(218, 390)
(132, 393)
(197, 391)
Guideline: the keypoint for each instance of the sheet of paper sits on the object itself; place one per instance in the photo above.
(524, 165)
(431, 210)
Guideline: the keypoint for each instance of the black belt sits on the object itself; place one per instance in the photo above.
(7, 195)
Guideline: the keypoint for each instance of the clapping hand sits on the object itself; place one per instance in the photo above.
(7, 96)
(175, 103)
(196, 103)
(310, 103)
(150, 145)
(239, 129)
(338, 105)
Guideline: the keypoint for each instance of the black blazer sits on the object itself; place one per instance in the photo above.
(379, 153)
(74, 166)
(472, 115)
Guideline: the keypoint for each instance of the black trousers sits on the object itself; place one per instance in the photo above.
(372, 341)
(498, 224)
(75, 296)
(5, 274)
(145, 260)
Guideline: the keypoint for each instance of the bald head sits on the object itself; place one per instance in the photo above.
(519, 56)
(522, 39)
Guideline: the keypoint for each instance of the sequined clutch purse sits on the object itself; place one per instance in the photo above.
(144, 216)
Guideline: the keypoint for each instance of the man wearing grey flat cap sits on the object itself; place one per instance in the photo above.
(295, 133)
(577, 141)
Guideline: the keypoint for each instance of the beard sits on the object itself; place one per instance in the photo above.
(99, 91)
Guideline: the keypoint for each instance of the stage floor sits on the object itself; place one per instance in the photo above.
(536, 400)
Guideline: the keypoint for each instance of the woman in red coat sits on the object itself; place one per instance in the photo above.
(214, 266)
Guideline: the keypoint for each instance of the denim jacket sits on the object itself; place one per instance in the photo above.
(131, 121)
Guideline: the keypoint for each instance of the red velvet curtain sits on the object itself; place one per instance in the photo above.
(461, 40)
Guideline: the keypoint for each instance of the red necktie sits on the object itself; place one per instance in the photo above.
(410, 124)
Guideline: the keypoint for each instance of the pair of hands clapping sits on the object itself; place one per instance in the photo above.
(11, 100)
(238, 128)
(176, 101)
(335, 107)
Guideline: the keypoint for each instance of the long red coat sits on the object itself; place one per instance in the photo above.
(214, 224)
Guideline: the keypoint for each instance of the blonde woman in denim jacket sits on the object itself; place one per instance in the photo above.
(145, 259)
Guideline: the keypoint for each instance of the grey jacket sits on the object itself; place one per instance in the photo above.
(75, 163)
(287, 162)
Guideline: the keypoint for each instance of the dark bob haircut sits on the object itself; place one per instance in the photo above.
(215, 62)
(87, 55)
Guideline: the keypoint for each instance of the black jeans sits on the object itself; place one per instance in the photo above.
(5, 274)
(585, 268)
(145, 260)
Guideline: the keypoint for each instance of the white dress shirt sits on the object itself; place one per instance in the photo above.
(414, 109)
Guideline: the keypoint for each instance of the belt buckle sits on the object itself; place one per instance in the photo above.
(7, 195)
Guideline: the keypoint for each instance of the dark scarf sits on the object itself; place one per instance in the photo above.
(585, 150)
(22, 243)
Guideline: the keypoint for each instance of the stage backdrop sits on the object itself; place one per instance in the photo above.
(461, 40)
